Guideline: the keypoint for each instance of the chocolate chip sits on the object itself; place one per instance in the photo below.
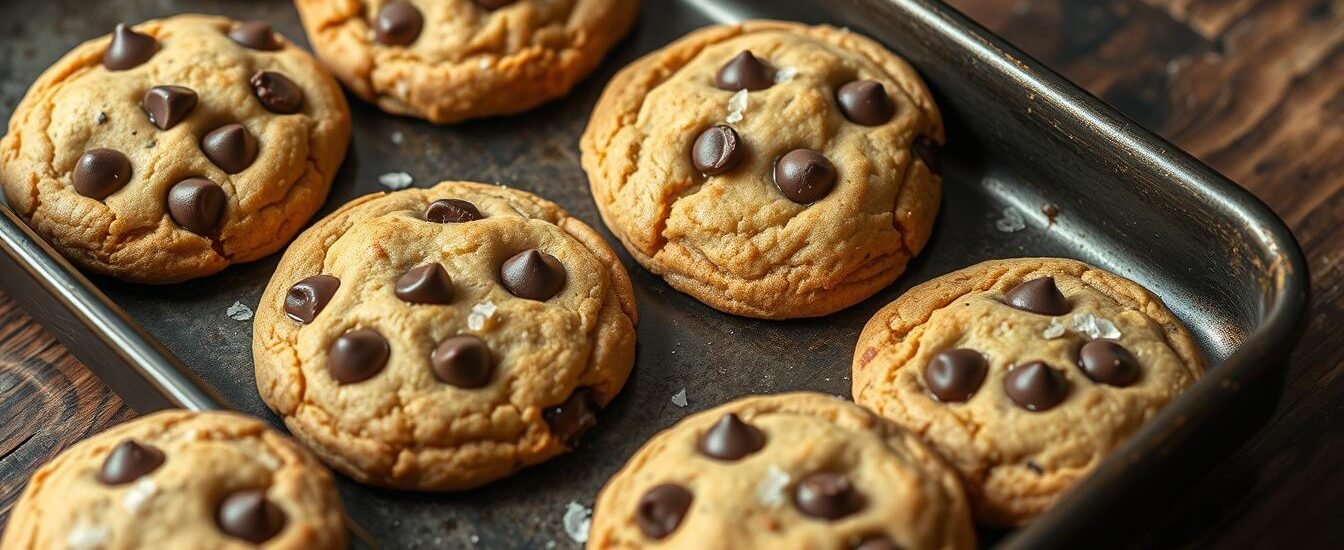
(804, 176)
(427, 284)
(744, 72)
(256, 35)
(716, 150)
(1038, 295)
(533, 274)
(309, 297)
(730, 439)
(250, 516)
(954, 375)
(277, 93)
(661, 510)
(101, 118)
(399, 24)
(1035, 386)
(168, 105)
(128, 461)
(197, 204)
(865, 102)
(571, 419)
(100, 172)
(128, 49)
(927, 150)
(463, 361)
(232, 148)
(1035, 468)
(452, 211)
(826, 495)
(494, 4)
(879, 542)
(357, 355)
(1107, 362)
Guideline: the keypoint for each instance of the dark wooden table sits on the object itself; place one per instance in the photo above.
(1253, 87)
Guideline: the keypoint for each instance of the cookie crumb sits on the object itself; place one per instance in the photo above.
(481, 314)
(396, 181)
(680, 399)
(1095, 327)
(1050, 210)
(737, 106)
(770, 490)
(397, 137)
(86, 537)
(100, 118)
(786, 74)
(134, 500)
(1011, 221)
(239, 312)
(1055, 330)
(578, 519)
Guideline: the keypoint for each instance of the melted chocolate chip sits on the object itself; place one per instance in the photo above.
(744, 72)
(128, 461)
(197, 204)
(232, 148)
(463, 361)
(826, 495)
(1107, 362)
(427, 284)
(357, 355)
(256, 35)
(804, 176)
(1035, 386)
(731, 439)
(716, 150)
(879, 542)
(494, 4)
(661, 510)
(399, 24)
(168, 105)
(955, 375)
(1038, 296)
(533, 274)
(128, 49)
(570, 420)
(100, 172)
(865, 102)
(927, 150)
(452, 211)
(250, 516)
(276, 92)
(308, 297)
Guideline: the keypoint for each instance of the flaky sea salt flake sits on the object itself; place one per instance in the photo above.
(578, 519)
(396, 180)
(1011, 221)
(397, 137)
(770, 491)
(239, 312)
(737, 106)
(1095, 327)
(1055, 330)
(134, 500)
(86, 537)
(785, 74)
(680, 398)
(481, 314)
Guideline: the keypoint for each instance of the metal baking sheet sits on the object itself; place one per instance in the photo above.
(1019, 137)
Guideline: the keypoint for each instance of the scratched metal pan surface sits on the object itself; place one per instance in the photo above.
(1019, 136)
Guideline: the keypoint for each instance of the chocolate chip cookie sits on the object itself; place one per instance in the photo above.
(800, 470)
(171, 149)
(768, 169)
(442, 338)
(180, 479)
(451, 60)
(1023, 373)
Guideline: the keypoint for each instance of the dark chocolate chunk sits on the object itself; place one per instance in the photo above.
(128, 49)
(250, 516)
(928, 151)
(661, 510)
(256, 35)
(955, 374)
(100, 172)
(1035, 386)
(128, 461)
(716, 151)
(570, 420)
(427, 284)
(463, 361)
(168, 105)
(879, 542)
(745, 72)
(730, 439)
(308, 297)
(197, 204)
(804, 176)
(276, 92)
(494, 4)
(399, 24)
(452, 211)
(231, 147)
(533, 274)
(357, 355)
(826, 495)
(1038, 295)
(865, 102)
(1107, 362)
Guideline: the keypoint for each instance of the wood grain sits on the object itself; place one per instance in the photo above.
(1253, 87)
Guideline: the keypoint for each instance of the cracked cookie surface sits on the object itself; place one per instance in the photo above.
(451, 60)
(1023, 373)
(179, 479)
(442, 338)
(768, 169)
(173, 149)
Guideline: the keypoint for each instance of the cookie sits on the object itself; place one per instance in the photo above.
(450, 60)
(798, 470)
(180, 479)
(439, 339)
(173, 149)
(768, 169)
(1023, 373)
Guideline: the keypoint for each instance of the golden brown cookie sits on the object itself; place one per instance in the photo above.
(180, 479)
(170, 150)
(443, 338)
(451, 60)
(1023, 373)
(768, 169)
(797, 470)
